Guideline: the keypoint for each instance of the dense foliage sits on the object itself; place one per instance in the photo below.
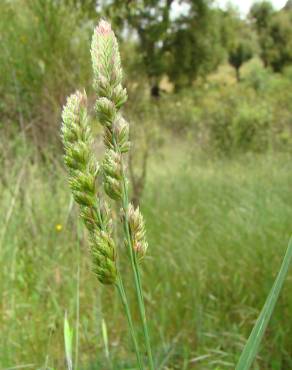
(170, 52)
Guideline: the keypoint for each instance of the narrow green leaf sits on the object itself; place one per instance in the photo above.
(68, 336)
(105, 338)
(252, 345)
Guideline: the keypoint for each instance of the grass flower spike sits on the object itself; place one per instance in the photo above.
(111, 96)
(83, 171)
(85, 174)
(107, 69)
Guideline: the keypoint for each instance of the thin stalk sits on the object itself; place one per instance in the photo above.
(143, 316)
(121, 290)
(134, 264)
(124, 300)
(135, 268)
(77, 313)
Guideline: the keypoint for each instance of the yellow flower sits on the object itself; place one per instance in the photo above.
(59, 227)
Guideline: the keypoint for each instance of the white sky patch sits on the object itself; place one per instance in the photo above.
(244, 5)
(178, 9)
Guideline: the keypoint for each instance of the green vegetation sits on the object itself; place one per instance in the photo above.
(218, 232)
(210, 167)
(274, 30)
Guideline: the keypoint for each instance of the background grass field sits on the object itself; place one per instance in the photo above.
(217, 231)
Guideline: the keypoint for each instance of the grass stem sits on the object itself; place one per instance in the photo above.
(135, 268)
(121, 290)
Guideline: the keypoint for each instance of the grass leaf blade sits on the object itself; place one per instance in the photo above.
(252, 345)
(68, 336)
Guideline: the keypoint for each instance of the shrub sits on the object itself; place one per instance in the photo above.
(42, 58)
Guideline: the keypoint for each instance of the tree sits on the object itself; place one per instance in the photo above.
(288, 5)
(280, 33)
(240, 54)
(261, 15)
(237, 39)
(149, 20)
(274, 33)
(193, 45)
(182, 45)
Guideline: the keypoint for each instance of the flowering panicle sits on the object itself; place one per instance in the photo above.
(84, 174)
(83, 171)
(111, 96)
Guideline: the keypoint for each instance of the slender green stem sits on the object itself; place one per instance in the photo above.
(134, 265)
(121, 290)
(135, 269)
(143, 316)
(77, 313)
(124, 300)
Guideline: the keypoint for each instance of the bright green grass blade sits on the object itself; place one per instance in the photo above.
(252, 345)
(68, 336)
(105, 338)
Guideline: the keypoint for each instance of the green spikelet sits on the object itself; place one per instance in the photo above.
(106, 64)
(137, 229)
(112, 172)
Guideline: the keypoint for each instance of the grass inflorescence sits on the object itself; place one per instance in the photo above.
(84, 171)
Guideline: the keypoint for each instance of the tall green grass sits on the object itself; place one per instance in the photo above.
(218, 231)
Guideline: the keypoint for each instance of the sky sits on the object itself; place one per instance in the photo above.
(244, 5)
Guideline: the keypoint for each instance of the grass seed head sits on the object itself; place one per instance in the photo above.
(137, 229)
(112, 174)
(83, 170)
(106, 62)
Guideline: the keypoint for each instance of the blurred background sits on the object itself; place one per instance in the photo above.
(210, 92)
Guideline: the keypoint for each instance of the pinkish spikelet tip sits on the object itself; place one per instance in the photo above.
(104, 28)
